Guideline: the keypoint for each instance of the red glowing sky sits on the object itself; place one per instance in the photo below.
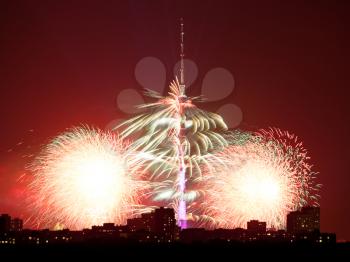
(63, 63)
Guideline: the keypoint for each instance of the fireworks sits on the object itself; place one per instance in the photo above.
(235, 175)
(85, 177)
(264, 178)
(172, 122)
(181, 156)
(179, 134)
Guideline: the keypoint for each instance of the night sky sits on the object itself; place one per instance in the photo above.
(63, 63)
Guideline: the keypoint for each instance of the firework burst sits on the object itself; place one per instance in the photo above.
(264, 178)
(173, 126)
(179, 134)
(86, 177)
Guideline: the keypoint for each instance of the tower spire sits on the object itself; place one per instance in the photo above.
(182, 66)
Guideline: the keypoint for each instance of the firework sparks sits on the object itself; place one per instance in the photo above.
(86, 177)
(264, 178)
(179, 134)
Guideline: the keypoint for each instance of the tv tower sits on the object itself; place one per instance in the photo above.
(182, 214)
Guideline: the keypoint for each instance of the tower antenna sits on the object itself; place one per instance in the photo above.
(182, 65)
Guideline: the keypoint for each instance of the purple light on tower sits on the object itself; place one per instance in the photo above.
(182, 203)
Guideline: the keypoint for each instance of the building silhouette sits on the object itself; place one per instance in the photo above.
(8, 224)
(255, 226)
(304, 221)
(165, 224)
(5, 223)
(145, 222)
(16, 224)
(191, 235)
(159, 226)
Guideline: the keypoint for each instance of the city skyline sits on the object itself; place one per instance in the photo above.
(160, 225)
(33, 88)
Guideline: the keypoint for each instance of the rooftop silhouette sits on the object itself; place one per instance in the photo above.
(159, 226)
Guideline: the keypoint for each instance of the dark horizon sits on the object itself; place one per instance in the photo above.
(63, 64)
(157, 231)
(161, 222)
(192, 224)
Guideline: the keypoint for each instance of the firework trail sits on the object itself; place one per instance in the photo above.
(179, 133)
(86, 177)
(264, 178)
(189, 160)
